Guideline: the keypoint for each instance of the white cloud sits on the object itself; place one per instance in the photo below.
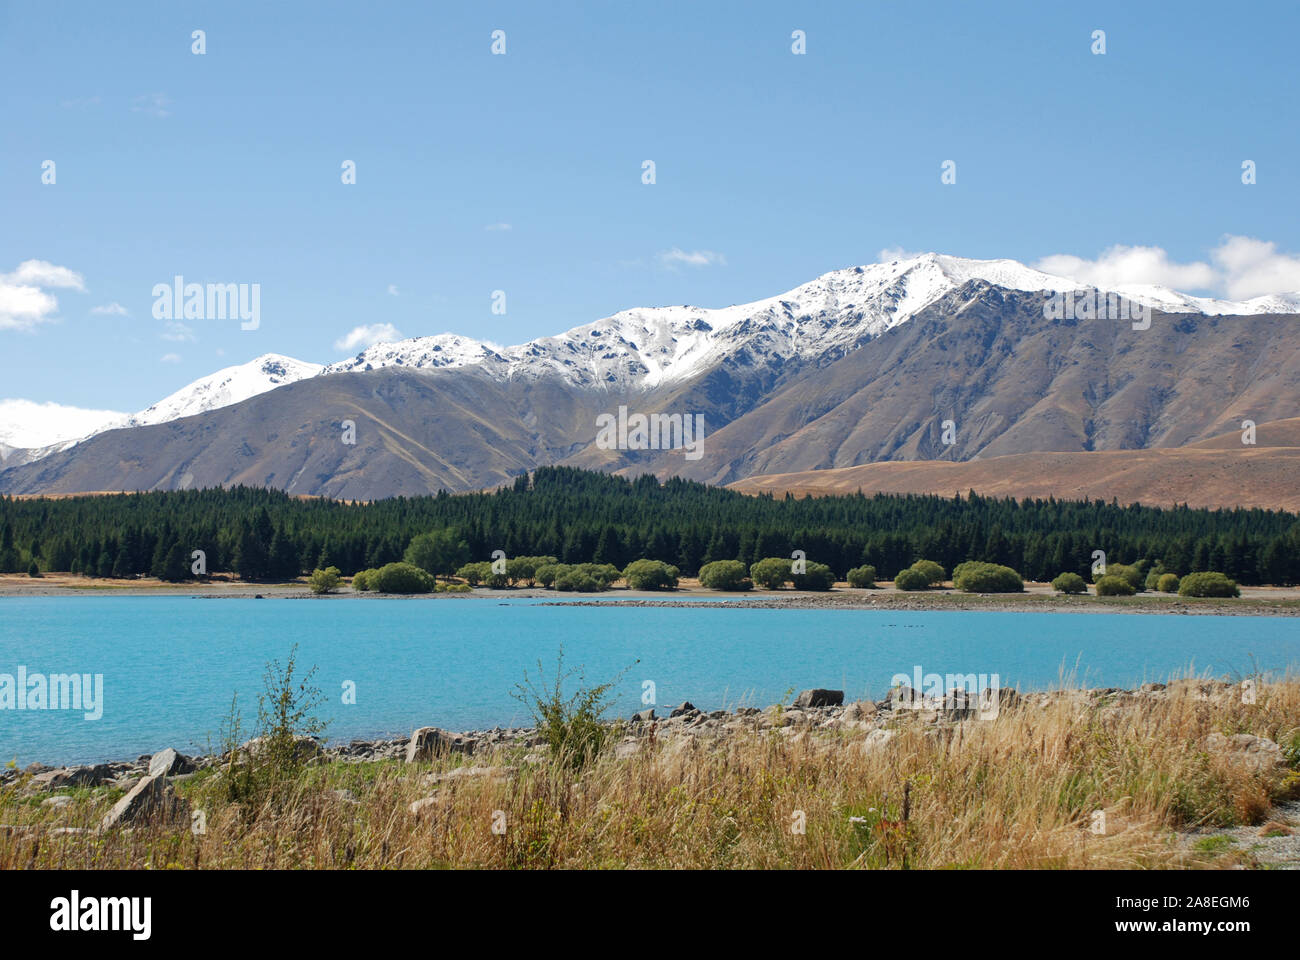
(22, 308)
(114, 309)
(154, 104)
(392, 290)
(23, 302)
(42, 273)
(890, 254)
(1121, 265)
(367, 336)
(691, 258)
(498, 227)
(1252, 268)
(1240, 268)
(170, 358)
(178, 332)
(26, 423)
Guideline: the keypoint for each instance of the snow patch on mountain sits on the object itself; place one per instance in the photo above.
(227, 386)
(827, 316)
(645, 346)
(30, 430)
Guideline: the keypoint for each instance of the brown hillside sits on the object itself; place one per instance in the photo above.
(1219, 472)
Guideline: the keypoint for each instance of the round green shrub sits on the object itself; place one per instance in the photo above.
(324, 581)
(1070, 583)
(934, 573)
(575, 581)
(401, 577)
(1113, 585)
(602, 573)
(361, 580)
(1168, 583)
(770, 573)
(548, 573)
(524, 569)
(910, 579)
(976, 576)
(816, 576)
(863, 577)
(650, 575)
(1209, 584)
(729, 575)
(475, 573)
(1130, 572)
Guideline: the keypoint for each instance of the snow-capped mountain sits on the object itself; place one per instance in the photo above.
(825, 317)
(30, 431)
(857, 366)
(641, 347)
(227, 386)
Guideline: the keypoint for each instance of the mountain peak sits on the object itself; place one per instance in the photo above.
(649, 346)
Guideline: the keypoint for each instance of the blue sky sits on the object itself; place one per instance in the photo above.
(523, 172)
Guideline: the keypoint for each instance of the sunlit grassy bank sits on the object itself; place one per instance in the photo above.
(1075, 779)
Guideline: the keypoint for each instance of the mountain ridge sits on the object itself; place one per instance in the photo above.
(828, 316)
(988, 358)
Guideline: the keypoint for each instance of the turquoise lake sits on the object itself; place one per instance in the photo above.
(171, 664)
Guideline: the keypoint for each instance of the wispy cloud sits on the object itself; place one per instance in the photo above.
(170, 358)
(677, 257)
(1239, 268)
(113, 309)
(153, 104)
(392, 290)
(367, 336)
(890, 254)
(498, 227)
(177, 332)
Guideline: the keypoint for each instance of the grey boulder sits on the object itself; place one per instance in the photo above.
(819, 698)
(167, 762)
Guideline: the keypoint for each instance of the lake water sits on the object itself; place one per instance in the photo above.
(170, 664)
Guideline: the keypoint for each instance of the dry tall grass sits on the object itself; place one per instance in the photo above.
(1016, 792)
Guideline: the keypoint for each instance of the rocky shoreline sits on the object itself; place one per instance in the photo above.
(863, 725)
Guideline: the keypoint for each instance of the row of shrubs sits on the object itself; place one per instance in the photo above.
(772, 573)
(1122, 580)
(405, 577)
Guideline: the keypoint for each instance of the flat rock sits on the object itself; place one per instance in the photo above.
(819, 698)
(304, 748)
(1258, 753)
(875, 741)
(422, 806)
(860, 710)
(151, 800)
(164, 763)
(429, 742)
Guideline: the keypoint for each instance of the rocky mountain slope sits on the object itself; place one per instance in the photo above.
(794, 391)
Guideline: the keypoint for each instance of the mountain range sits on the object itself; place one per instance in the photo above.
(922, 358)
